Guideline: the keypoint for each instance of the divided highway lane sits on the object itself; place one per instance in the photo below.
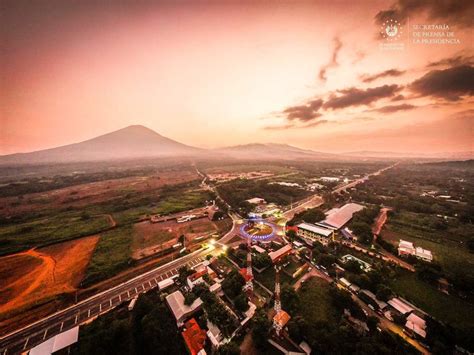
(35, 333)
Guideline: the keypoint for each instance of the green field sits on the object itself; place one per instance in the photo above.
(182, 201)
(453, 257)
(267, 278)
(445, 308)
(316, 301)
(52, 229)
(111, 255)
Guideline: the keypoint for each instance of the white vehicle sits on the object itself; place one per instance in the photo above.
(131, 305)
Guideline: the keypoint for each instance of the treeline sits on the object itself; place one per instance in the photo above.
(238, 191)
(149, 329)
(361, 224)
(311, 215)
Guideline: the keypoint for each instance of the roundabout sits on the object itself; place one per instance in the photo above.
(258, 229)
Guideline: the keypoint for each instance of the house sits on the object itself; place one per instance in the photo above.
(400, 306)
(280, 253)
(194, 337)
(311, 233)
(337, 218)
(416, 325)
(197, 277)
(214, 334)
(405, 248)
(181, 311)
(61, 341)
(423, 254)
(280, 320)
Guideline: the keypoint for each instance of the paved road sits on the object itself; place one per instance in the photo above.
(34, 334)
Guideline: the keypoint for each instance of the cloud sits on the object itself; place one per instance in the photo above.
(453, 61)
(395, 108)
(366, 78)
(450, 84)
(294, 126)
(306, 112)
(458, 12)
(333, 62)
(357, 97)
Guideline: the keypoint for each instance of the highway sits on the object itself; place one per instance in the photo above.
(23, 339)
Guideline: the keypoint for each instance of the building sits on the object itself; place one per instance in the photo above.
(416, 325)
(197, 277)
(407, 248)
(337, 218)
(56, 343)
(423, 254)
(181, 311)
(194, 337)
(311, 233)
(256, 201)
(369, 298)
(400, 306)
(280, 320)
(277, 255)
(329, 179)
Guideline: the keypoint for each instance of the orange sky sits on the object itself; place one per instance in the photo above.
(222, 73)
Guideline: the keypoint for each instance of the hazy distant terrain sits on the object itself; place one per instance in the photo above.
(137, 141)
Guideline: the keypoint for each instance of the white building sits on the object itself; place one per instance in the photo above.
(179, 309)
(416, 325)
(407, 248)
(339, 217)
(256, 201)
(312, 233)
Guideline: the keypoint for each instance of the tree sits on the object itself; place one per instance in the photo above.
(240, 303)
(326, 260)
(290, 300)
(261, 260)
(372, 323)
(260, 328)
(232, 284)
(383, 293)
(182, 239)
(229, 349)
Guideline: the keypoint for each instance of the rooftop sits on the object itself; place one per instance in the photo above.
(194, 336)
(416, 324)
(177, 306)
(400, 306)
(275, 255)
(315, 229)
(281, 318)
(341, 216)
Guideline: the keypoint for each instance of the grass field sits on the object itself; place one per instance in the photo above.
(445, 308)
(55, 228)
(111, 255)
(316, 301)
(453, 258)
(267, 278)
